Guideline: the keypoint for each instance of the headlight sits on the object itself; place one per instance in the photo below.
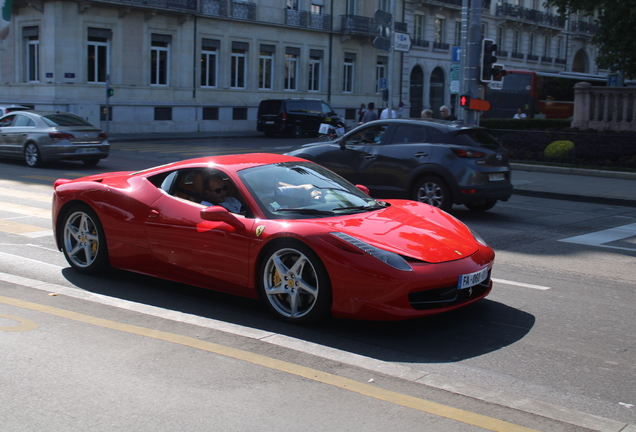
(390, 258)
(480, 240)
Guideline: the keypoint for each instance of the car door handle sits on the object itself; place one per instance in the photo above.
(153, 213)
(370, 157)
(420, 154)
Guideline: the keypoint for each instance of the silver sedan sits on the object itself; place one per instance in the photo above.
(42, 136)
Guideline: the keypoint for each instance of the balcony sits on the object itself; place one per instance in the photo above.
(516, 55)
(224, 8)
(532, 15)
(421, 43)
(582, 27)
(441, 46)
(359, 25)
(307, 19)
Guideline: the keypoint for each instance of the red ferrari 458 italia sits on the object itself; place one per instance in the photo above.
(277, 227)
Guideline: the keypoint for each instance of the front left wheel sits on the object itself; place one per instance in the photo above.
(294, 283)
(32, 155)
(83, 240)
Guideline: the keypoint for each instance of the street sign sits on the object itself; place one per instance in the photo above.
(457, 54)
(382, 83)
(455, 73)
(383, 44)
(479, 105)
(382, 17)
(402, 42)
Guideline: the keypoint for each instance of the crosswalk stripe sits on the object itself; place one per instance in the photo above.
(27, 195)
(22, 229)
(25, 210)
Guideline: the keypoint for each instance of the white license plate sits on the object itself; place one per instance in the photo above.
(472, 279)
(496, 177)
(87, 150)
(269, 122)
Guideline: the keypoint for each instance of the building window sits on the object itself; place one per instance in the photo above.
(516, 39)
(352, 7)
(380, 72)
(418, 27)
(98, 54)
(291, 68)
(163, 113)
(292, 4)
(239, 113)
(266, 67)
(440, 29)
(531, 43)
(160, 59)
(317, 9)
(546, 46)
(32, 57)
(348, 72)
(501, 33)
(238, 65)
(210, 113)
(315, 67)
(384, 5)
(209, 62)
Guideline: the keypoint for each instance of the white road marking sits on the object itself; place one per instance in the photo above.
(521, 284)
(600, 238)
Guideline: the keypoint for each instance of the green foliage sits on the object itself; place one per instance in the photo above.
(616, 22)
(559, 149)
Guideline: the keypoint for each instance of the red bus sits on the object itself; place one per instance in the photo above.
(539, 94)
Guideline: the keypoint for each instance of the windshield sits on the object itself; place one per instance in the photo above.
(64, 120)
(298, 190)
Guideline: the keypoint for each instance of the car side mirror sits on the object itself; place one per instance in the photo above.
(364, 189)
(342, 144)
(220, 214)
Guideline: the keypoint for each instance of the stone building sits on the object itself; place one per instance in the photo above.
(204, 65)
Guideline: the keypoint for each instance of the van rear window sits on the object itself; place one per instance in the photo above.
(269, 107)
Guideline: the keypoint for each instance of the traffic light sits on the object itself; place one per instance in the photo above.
(464, 101)
(110, 92)
(498, 72)
(488, 48)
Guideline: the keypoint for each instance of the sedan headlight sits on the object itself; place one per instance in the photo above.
(390, 258)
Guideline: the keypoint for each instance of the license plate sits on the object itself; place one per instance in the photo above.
(87, 150)
(496, 177)
(269, 122)
(472, 279)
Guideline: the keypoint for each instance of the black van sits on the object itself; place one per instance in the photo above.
(295, 116)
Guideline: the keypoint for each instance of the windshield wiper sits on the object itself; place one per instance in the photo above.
(362, 207)
(304, 211)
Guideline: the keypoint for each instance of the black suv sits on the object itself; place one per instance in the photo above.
(295, 116)
(433, 161)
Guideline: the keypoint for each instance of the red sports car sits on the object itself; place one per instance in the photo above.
(277, 227)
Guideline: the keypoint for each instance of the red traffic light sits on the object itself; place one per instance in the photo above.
(464, 101)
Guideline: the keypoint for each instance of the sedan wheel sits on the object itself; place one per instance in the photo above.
(294, 283)
(83, 242)
(32, 155)
(432, 190)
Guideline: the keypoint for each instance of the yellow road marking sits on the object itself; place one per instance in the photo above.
(25, 324)
(25, 210)
(423, 405)
(19, 228)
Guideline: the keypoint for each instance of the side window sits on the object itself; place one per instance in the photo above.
(371, 134)
(406, 134)
(21, 120)
(7, 121)
(326, 109)
(436, 136)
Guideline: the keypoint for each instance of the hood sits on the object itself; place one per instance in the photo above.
(410, 229)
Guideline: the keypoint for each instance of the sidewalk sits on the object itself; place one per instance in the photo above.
(575, 184)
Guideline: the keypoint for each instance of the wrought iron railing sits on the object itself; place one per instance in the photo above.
(582, 27)
(355, 24)
(441, 46)
(307, 19)
(243, 10)
(539, 17)
(421, 43)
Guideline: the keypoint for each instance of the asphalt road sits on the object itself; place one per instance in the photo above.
(552, 348)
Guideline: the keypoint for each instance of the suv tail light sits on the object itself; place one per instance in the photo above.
(468, 154)
(61, 135)
(283, 116)
(103, 136)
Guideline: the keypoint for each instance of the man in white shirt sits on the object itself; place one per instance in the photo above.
(385, 114)
(215, 192)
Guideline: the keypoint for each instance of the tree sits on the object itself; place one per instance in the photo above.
(616, 21)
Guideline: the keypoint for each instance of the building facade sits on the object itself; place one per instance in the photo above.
(204, 65)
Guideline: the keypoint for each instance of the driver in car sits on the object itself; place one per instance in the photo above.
(215, 192)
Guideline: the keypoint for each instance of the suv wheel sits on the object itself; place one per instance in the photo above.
(434, 191)
(297, 131)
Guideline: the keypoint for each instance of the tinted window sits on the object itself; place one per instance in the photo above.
(64, 120)
(371, 134)
(300, 106)
(269, 107)
(6, 121)
(408, 135)
(477, 138)
(438, 137)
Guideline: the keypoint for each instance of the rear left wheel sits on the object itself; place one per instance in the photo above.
(83, 240)
(294, 283)
(32, 155)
